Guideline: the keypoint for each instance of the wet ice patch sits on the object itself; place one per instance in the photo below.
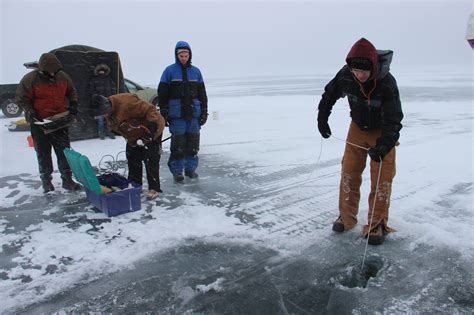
(3, 225)
(126, 236)
(14, 192)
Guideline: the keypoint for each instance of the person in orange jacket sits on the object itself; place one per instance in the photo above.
(42, 93)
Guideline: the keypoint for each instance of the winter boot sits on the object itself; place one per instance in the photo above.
(151, 194)
(47, 186)
(69, 183)
(178, 177)
(191, 174)
(338, 226)
(377, 235)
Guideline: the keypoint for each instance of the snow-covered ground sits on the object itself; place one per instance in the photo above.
(253, 234)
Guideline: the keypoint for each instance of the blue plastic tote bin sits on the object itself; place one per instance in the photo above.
(112, 203)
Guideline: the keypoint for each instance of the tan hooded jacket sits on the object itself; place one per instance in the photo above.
(130, 116)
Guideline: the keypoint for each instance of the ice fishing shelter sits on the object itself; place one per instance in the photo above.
(79, 62)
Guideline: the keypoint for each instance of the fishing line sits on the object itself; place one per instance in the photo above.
(371, 216)
(375, 197)
(353, 144)
(317, 161)
(109, 167)
(112, 166)
(116, 164)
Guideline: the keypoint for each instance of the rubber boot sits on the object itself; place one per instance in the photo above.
(178, 177)
(191, 174)
(47, 186)
(70, 184)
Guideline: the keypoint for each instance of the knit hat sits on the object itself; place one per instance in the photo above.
(361, 64)
(100, 105)
(180, 50)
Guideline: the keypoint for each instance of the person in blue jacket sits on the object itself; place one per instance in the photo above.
(183, 104)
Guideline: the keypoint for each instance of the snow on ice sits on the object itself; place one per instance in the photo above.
(253, 234)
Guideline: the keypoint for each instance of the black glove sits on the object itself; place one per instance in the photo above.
(323, 125)
(34, 117)
(72, 108)
(203, 118)
(50, 126)
(147, 138)
(324, 129)
(150, 133)
(378, 153)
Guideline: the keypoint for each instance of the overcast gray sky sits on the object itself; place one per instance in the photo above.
(235, 38)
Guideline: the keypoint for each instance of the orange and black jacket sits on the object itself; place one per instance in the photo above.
(46, 95)
(374, 104)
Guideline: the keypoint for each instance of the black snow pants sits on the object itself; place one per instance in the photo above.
(149, 155)
(59, 140)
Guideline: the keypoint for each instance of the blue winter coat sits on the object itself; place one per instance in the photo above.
(181, 91)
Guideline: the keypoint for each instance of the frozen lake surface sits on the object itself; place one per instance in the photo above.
(253, 233)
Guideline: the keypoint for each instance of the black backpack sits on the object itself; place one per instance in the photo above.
(385, 59)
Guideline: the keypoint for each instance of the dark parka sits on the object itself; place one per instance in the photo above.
(181, 91)
(102, 83)
(44, 95)
(183, 103)
(374, 104)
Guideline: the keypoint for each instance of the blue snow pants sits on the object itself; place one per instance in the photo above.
(184, 145)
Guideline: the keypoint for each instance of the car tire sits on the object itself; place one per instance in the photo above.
(10, 109)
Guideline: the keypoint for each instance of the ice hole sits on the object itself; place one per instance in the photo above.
(355, 277)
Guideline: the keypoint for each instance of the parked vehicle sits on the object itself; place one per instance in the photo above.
(79, 62)
(145, 93)
(10, 109)
(7, 100)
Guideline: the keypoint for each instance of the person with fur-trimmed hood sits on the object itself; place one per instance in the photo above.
(140, 123)
(42, 93)
(183, 103)
(376, 115)
(101, 83)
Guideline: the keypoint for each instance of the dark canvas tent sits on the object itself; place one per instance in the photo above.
(79, 62)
